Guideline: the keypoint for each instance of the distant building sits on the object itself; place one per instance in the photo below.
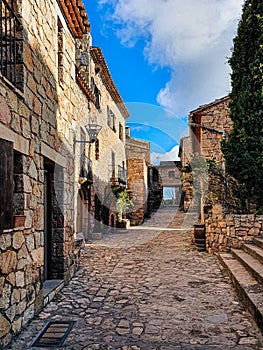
(171, 181)
(143, 179)
(138, 159)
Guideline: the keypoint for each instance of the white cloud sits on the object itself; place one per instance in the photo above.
(172, 156)
(191, 37)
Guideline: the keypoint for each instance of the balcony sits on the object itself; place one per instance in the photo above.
(112, 176)
(86, 169)
(11, 46)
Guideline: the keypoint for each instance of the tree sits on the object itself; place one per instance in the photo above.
(243, 150)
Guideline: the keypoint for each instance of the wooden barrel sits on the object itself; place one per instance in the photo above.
(199, 236)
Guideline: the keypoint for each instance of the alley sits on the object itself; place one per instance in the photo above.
(155, 292)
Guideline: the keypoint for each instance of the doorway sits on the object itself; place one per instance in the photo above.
(48, 200)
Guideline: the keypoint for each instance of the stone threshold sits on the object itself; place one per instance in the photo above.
(50, 289)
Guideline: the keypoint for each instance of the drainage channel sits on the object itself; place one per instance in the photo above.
(53, 334)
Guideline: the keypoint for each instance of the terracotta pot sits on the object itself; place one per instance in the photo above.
(125, 223)
(19, 220)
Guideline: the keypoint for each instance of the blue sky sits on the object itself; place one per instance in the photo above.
(166, 59)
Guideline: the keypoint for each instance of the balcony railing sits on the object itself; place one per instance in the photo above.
(11, 45)
(86, 168)
(122, 175)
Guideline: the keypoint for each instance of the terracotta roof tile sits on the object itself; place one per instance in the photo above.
(215, 102)
(98, 59)
(74, 11)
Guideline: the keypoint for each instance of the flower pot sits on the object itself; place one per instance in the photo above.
(199, 236)
(125, 223)
(19, 220)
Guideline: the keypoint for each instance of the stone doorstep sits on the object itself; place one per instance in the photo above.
(96, 236)
(51, 288)
(249, 290)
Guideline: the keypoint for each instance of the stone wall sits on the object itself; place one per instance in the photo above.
(43, 119)
(229, 231)
(138, 158)
(137, 183)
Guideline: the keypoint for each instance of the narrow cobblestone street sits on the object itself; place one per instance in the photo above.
(155, 291)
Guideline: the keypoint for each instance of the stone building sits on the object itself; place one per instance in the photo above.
(107, 154)
(138, 160)
(143, 180)
(171, 181)
(55, 91)
(208, 125)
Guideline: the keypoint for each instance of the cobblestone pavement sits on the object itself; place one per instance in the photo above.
(160, 294)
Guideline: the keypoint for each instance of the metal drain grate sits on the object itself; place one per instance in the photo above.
(54, 334)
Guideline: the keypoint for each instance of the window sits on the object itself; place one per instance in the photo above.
(97, 149)
(171, 174)
(60, 51)
(113, 165)
(111, 119)
(6, 184)
(11, 177)
(82, 147)
(11, 45)
(83, 139)
(97, 95)
(120, 132)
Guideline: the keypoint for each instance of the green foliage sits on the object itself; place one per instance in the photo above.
(243, 150)
(123, 200)
(18, 211)
(186, 169)
(222, 189)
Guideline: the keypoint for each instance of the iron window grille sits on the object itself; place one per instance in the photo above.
(11, 45)
(97, 149)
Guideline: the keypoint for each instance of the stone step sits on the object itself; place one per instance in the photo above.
(248, 288)
(252, 264)
(258, 241)
(254, 250)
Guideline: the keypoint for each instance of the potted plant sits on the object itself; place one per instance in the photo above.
(19, 217)
(123, 203)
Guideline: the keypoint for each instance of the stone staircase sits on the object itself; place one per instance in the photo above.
(245, 268)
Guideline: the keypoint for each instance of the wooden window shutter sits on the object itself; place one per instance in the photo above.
(6, 184)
